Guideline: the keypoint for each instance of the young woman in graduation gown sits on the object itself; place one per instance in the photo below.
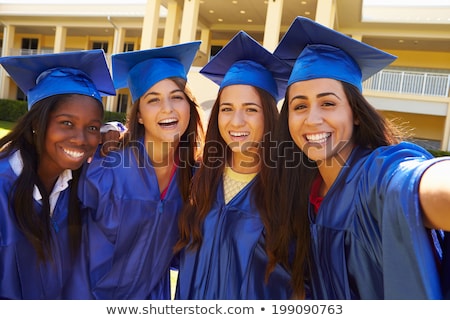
(133, 196)
(363, 209)
(40, 164)
(223, 227)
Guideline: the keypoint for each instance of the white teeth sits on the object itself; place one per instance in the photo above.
(239, 134)
(74, 154)
(318, 137)
(166, 121)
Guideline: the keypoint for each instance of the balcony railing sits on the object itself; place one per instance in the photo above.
(388, 80)
(27, 52)
(410, 82)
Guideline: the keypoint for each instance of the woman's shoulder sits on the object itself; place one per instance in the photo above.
(8, 232)
(114, 159)
(6, 169)
(386, 158)
(4, 164)
(403, 150)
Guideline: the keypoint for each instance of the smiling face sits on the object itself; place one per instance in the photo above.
(241, 119)
(73, 134)
(164, 111)
(320, 119)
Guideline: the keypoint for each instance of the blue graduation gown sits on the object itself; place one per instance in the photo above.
(129, 232)
(20, 275)
(368, 239)
(445, 267)
(231, 262)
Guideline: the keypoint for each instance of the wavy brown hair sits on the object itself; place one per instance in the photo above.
(207, 179)
(190, 145)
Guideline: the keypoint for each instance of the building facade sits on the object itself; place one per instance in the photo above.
(414, 90)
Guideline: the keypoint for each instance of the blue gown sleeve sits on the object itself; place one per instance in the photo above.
(408, 261)
(368, 237)
(129, 231)
(445, 266)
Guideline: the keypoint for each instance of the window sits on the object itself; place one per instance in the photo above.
(122, 103)
(29, 46)
(100, 45)
(215, 50)
(128, 46)
(21, 96)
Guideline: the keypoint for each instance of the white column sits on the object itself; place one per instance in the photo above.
(205, 47)
(150, 24)
(8, 43)
(273, 24)
(357, 37)
(326, 12)
(119, 39)
(173, 22)
(110, 103)
(189, 21)
(8, 40)
(60, 39)
(446, 137)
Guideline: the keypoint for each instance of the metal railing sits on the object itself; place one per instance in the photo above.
(28, 52)
(387, 80)
(410, 82)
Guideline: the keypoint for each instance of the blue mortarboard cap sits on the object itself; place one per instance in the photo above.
(140, 70)
(244, 61)
(44, 75)
(315, 51)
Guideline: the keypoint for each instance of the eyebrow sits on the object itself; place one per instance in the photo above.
(74, 116)
(154, 93)
(245, 104)
(320, 95)
(66, 115)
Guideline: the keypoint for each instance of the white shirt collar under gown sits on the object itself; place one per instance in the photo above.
(61, 184)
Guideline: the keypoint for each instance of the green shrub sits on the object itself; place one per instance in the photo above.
(439, 153)
(114, 116)
(12, 110)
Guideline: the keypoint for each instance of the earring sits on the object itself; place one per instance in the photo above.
(34, 131)
(140, 121)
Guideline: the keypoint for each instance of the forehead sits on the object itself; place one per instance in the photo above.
(239, 92)
(78, 105)
(163, 85)
(314, 87)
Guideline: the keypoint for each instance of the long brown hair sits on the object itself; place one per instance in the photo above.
(190, 145)
(292, 178)
(28, 136)
(207, 179)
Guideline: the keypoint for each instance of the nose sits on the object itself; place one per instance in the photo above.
(78, 136)
(238, 118)
(314, 116)
(166, 105)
